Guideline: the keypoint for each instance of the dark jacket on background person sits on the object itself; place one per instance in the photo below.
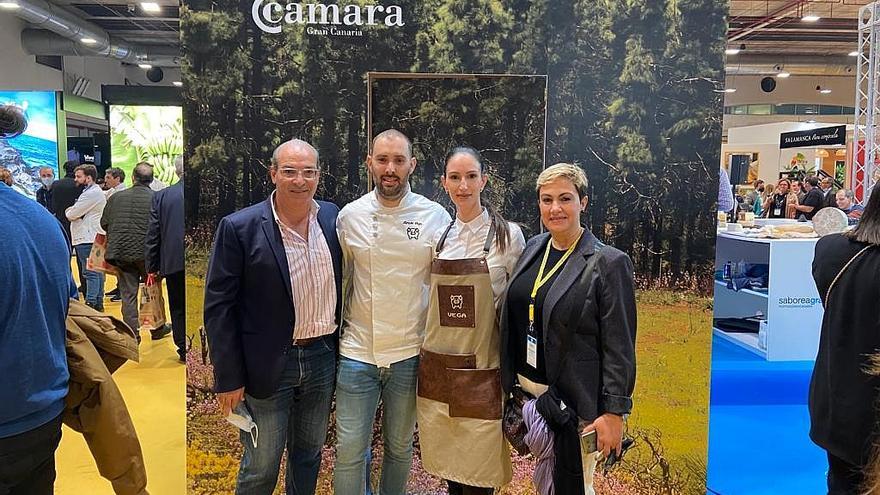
(829, 199)
(249, 313)
(97, 345)
(589, 328)
(65, 192)
(44, 197)
(125, 219)
(843, 396)
(164, 241)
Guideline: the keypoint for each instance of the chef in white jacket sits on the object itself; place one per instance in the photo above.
(386, 237)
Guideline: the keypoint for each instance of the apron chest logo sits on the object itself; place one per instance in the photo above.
(413, 233)
(456, 301)
(457, 306)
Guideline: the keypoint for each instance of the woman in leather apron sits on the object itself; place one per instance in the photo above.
(459, 390)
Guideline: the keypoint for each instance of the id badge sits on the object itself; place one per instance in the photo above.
(532, 351)
(777, 211)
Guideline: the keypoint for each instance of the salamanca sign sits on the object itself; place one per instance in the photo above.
(824, 136)
(270, 15)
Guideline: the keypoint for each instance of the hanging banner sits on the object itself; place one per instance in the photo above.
(823, 136)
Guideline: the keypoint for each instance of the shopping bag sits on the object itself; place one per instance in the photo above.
(96, 261)
(151, 312)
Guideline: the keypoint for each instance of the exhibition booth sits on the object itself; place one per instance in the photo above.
(768, 313)
(119, 133)
(759, 152)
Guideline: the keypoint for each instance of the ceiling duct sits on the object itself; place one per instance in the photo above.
(41, 42)
(69, 30)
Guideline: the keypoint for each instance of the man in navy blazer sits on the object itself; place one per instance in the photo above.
(272, 304)
(163, 253)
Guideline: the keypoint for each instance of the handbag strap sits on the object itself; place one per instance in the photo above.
(837, 277)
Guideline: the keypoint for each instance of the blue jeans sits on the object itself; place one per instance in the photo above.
(296, 417)
(358, 390)
(94, 280)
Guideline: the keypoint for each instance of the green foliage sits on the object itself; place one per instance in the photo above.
(623, 88)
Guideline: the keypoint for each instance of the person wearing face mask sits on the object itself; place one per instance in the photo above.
(568, 330)
(44, 193)
(387, 239)
(459, 395)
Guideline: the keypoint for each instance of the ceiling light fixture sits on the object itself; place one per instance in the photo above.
(177, 83)
(730, 90)
(145, 66)
(810, 18)
(150, 7)
(9, 5)
(783, 74)
(88, 41)
(825, 91)
(853, 53)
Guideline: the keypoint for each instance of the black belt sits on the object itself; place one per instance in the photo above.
(307, 342)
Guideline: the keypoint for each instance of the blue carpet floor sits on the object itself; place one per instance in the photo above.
(759, 425)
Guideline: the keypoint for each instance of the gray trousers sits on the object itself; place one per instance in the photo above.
(128, 280)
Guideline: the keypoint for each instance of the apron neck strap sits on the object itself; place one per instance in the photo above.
(489, 238)
(486, 246)
(443, 237)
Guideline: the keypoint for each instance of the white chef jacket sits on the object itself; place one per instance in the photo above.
(388, 253)
(85, 215)
(466, 240)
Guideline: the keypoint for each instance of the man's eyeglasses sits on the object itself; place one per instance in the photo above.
(292, 173)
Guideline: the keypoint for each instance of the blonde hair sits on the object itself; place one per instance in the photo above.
(568, 171)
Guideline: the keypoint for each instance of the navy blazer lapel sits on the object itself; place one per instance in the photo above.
(569, 275)
(273, 236)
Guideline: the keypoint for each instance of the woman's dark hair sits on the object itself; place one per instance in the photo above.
(502, 230)
(868, 229)
(12, 121)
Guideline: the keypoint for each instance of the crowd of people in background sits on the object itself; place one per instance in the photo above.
(60, 351)
(795, 199)
(82, 203)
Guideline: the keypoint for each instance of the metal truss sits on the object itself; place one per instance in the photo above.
(866, 138)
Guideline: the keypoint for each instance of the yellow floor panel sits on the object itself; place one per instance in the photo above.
(154, 391)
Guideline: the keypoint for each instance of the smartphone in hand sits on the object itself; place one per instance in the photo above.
(589, 444)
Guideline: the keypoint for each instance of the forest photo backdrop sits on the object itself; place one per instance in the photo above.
(629, 90)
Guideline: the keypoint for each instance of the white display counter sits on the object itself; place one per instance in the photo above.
(791, 304)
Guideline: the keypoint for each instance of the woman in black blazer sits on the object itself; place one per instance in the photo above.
(843, 394)
(568, 328)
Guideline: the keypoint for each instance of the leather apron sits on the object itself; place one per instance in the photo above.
(459, 389)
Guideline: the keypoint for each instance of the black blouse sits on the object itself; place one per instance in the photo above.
(777, 209)
(518, 304)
